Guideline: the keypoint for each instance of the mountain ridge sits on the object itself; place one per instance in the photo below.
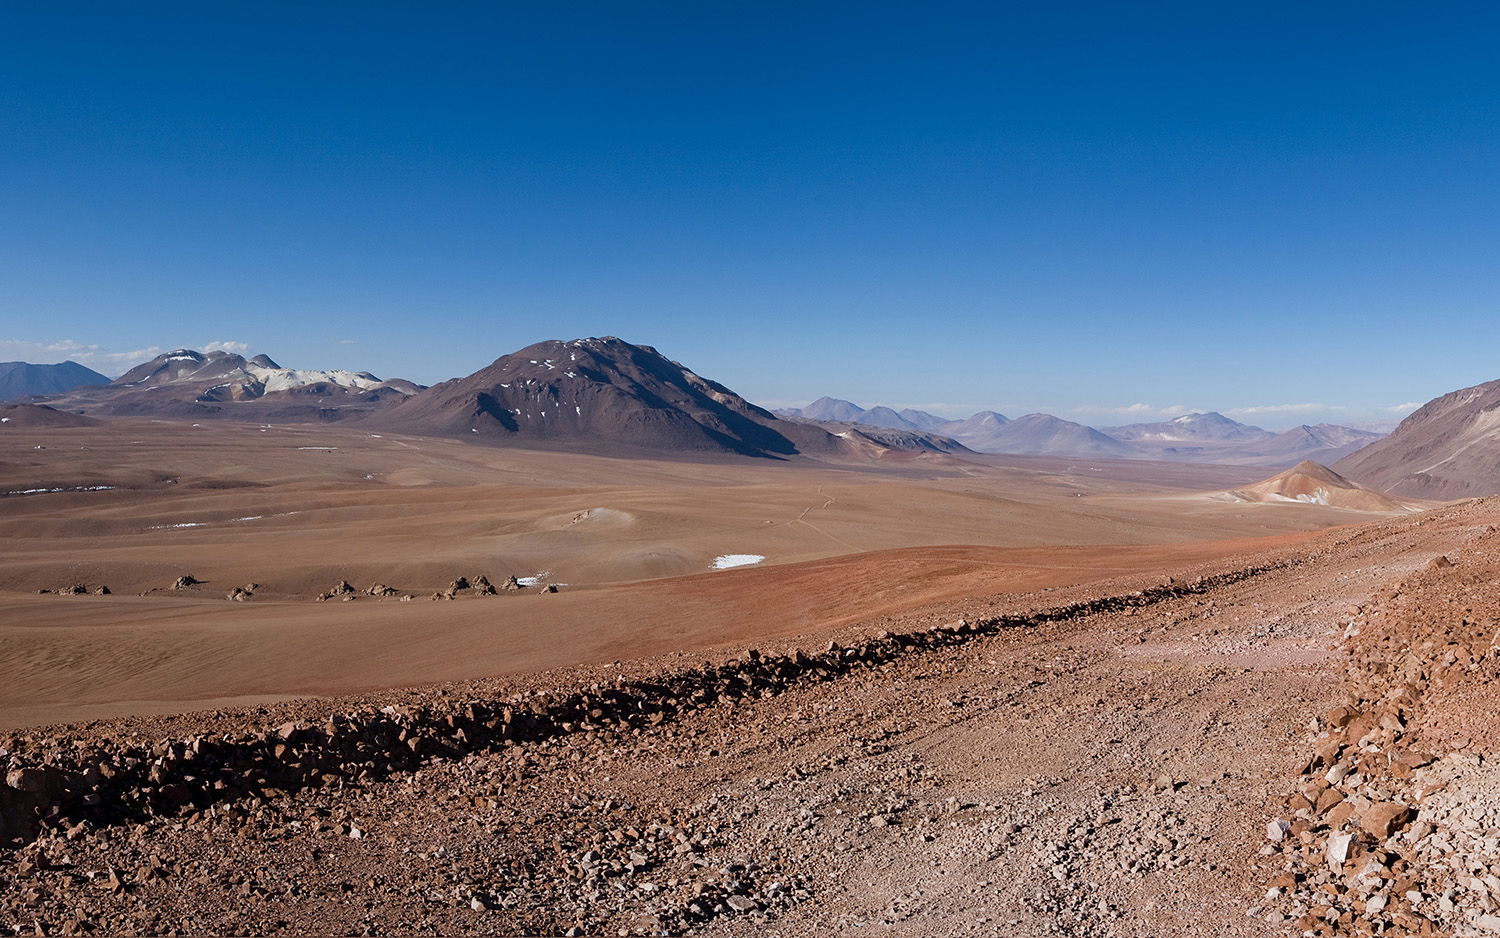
(25, 379)
(1448, 448)
(188, 383)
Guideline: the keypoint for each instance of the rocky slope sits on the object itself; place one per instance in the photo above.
(1449, 448)
(599, 392)
(1389, 830)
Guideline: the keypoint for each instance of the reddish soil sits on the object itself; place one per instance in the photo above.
(1095, 751)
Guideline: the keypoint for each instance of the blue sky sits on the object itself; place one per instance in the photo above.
(1107, 211)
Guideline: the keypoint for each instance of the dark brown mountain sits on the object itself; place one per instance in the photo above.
(202, 385)
(39, 415)
(23, 379)
(602, 392)
(1449, 448)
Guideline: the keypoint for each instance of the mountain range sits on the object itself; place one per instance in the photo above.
(587, 392)
(1198, 437)
(189, 383)
(23, 379)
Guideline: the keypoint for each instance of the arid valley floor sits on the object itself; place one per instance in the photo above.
(982, 695)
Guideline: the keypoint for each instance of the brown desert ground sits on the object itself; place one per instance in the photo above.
(999, 696)
(297, 510)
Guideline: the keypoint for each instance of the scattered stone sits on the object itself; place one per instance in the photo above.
(1383, 820)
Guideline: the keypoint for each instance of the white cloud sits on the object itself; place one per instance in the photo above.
(345, 341)
(1137, 410)
(107, 361)
(238, 348)
(1286, 409)
(1406, 408)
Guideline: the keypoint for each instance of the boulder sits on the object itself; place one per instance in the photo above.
(1383, 819)
(32, 781)
(186, 581)
(1338, 849)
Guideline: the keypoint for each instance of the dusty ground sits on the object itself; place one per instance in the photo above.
(1104, 774)
(1009, 737)
(295, 510)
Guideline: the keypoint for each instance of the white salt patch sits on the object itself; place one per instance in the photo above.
(533, 580)
(725, 561)
(327, 449)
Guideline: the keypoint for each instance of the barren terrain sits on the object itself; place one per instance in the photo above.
(1060, 698)
(632, 541)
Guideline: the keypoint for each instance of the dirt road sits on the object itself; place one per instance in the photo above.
(1106, 772)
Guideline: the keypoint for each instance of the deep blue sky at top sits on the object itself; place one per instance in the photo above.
(1069, 207)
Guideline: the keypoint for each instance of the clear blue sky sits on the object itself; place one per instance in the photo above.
(1068, 207)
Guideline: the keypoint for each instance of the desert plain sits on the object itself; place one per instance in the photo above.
(630, 541)
(878, 692)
